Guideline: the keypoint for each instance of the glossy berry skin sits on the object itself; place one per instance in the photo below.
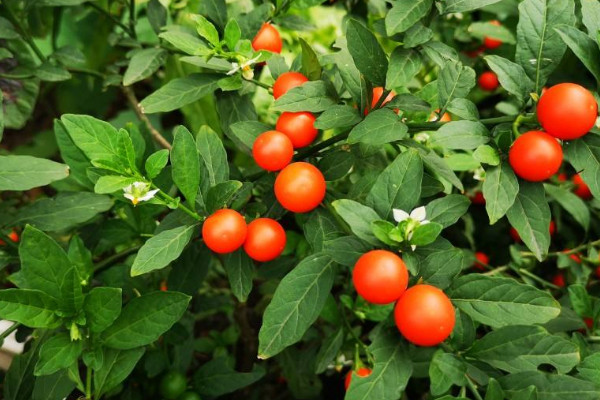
(299, 127)
(224, 231)
(488, 81)
(535, 156)
(481, 260)
(272, 150)
(380, 277)
(478, 198)
(424, 315)
(287, 81)
(581, 188)
(172, 385)
(265, 239)
(567, 111)
(361, 372)
(515, 235)
(300, 187)
(559, 280)
(267, 39)
(491, 43)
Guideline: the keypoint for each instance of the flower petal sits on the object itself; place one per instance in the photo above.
(400, 215)
(419, 213)
(148, 195)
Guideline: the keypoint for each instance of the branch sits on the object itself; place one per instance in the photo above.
(160, 139)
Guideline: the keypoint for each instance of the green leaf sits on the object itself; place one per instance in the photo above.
(329, 350)
(398, 186)
(487, 155)
(368, 56)
(481, 30)
(408, 102)
(337, 164)
(185, 40)
(512, 77)
(539, 47)
(143, 64)
(57, 353)
(310, 62)
(426, 234)
(456, 6)
(216, 378)
(112, 183)
(448, 209)
(404, 14)
(585, 48)
(161, 249)
(359, 218)
(440, 53)
(216, 10)
(584, 155)
(32, 308)
(232, 34)
(157, 15)
(220, 195)
(189, 269)
(494, 391)
(19, 380)
(7, 30)
(180, 92)
(185, 164)
(571, 203)
(454, 81)
(26, 172)
(438, 264)
(446, 370)
(51, 73)
(498, 302)
(310, 96)
(464, 109)
(57, 386)
(240, 271)
(102, 306)
(320, 228)
(206, 29)
(550, 386)
(144, 319)
(214, 168)
(72, 155)
(530, 216)
(404, 65)
(336, 117)
(117, 366)
(244, 133)
(461, 135)
(66, 210)
(46, 267)
(391, 370)
(500, 189)
(590, 13)
(296, 304)
(580, 299)
(379, 127)
(156, 163)
(345, 250)
(525, 348)
(348, 72)
(589, 369)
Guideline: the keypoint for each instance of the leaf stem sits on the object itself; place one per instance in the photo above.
(180, 206)
(108, 261)
(88, 383)
(523, 271)
(132, 19)
(473, 388)
(135, 104)
(10, 330)
(23, 32)
(107, 13)
(261, 84)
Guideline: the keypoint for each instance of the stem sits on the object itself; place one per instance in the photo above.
(571, 251)
(26, 36)
(183, 208)
(495, 271)
(261, 84)
(132, 19)
(10, 330)
(435, 125)
(160, 139)
(114, 19)
(107, 262)
(356, 338)
(523, 271)
(86, 71)
(473, 388)
(88, 383)
(322, 145)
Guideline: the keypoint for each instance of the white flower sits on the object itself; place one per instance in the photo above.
(139, 191)
(418, 214)
(421, 137)
(245, 67)
(479, 174)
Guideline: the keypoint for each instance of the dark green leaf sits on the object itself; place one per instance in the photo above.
(185, 164)
(336, 117)
(585, 49)
(161, 249)
(404, 14)
(310, 96)
(446, 370)
(404, 65)
(32, 308)
(117, 366)
(570, 202)
(369, 57)
(461, 135)
(102, 305)
(143, 64)
(379, 127)
(512, 77)
(550, 386)
(26, 172)
(500, 189)
(447, 210)
(57, 353)
(240, 271)
(216, 378)
(180, 92)
(310, 62)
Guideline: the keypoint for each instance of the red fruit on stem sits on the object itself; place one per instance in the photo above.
(559, 280)
(300, 187)
(482, 260)
(361, 372)
(535, 156)
(380, 276)
(287, 81)
(299, 127)
(581, 188)
(224, 231)
(488, 81)
(265, 240)
(272, 150)
(491, 43)
(267, 39)
(478, 198)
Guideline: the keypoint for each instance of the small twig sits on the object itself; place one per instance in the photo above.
(473, 388)
(114, 19)
(495, 271)
(261, 84)
(132, 19)
(160, 139)
(108, 261)
(523, 271)
(10, 330)
(23, 32)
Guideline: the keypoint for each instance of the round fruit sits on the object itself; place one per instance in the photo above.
(515, 235)
(482, 260)
(488, 81)
(265, 239)
(224, 231)
(272, 150)
(361, 372)
(478, 198)
(552, 228)
(300, 187)
(380, 276)
(573, 256)
(14, 236)
(172, 385)
(299, 127)
(490, 43)
(567, 111)
(268, 39)
(424, 315)
(559, 280)
(581, 188)
(535, 156)
(589, 322)
(377, 92)
(287, 81)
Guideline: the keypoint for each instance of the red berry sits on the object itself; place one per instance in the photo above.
(380, 276)
(224, 231)
(299, 127)
(268, 39)
(265, 239)
(581, 188)
(559, 280)
(300, 187)
(361, 372)
(482, 260)
(287, 81)
(478, 198)
(489, 42)
(272, 150)
(535, 156)
(488, 81)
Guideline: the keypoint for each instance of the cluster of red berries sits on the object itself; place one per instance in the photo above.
(566, 111)
(488, 80)
(226, 230)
